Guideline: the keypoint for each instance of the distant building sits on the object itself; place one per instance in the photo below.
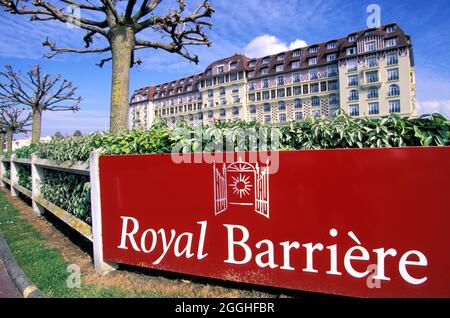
(367, 73)
(26, 142)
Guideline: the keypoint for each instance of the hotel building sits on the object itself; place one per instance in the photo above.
(367, 73)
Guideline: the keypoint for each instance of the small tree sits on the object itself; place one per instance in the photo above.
(122, 21)
(38, 91)
(14, 120)
(77, 133)
(58, 135)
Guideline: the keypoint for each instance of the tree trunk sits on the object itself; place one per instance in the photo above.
(2, 143)
(122, 44)
(36, 130)
(9, 136)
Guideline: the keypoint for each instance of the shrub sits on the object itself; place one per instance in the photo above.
(24, 174)
(26, 151)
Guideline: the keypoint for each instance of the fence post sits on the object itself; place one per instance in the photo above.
(2, 171)
(14, 176)
(36, 176)
(100, 265)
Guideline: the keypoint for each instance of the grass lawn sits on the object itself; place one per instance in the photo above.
(45, 266)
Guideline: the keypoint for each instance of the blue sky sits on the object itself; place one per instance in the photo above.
(251, 26)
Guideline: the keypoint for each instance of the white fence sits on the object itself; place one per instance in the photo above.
(40, 204)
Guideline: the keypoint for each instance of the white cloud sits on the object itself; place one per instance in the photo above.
(269, 44)
(435, 106)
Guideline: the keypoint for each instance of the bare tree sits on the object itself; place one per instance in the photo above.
(38, 91)
(122, 21)
(14, 120)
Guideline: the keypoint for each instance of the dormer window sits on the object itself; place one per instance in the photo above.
(391, 29)
(280, 57)
(172, 84)
(332, 45)
(369, 33)
(220, 69)
(155, 95)
(352, 38)
(390, 42)
(266, 60)
(351, 50)
(251, 74)
(180, 90)
(279, 68)
(331, 57)
(252, 63)
(209, 72)
(370, 46)
(233, 65)
(265, 71)
(296, 53)
(189, 88)
(296, 64)
(313, 49)
(312, 61)
(172, 92)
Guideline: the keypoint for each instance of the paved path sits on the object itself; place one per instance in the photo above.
(7, 288)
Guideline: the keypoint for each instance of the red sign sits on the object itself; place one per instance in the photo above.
(366, 223)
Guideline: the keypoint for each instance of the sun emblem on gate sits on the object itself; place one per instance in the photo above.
(241, 185)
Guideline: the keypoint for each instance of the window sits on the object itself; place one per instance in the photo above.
(267, 119)
(313, 74)
(267, 107)
(390, 42)
(298, 103)
(352, 38)
(392, 58)
(313, 49)
(280, 57)
(220, 69)
(316, 113)
(305, 89)
(281, 105)
(372, 77)
(235, 111)
(332, 85)
(222, 90)
(332, 71)
(394, 90)
(252, 63)
(372, 93)
(315, 101)
(390, 29)
(265, 83)
(354, 110)
(222, 112)
(323, 86)
(266, 95)
(332, 45)
(191, 117)
(264, 71)
(394, 106)
(280, 93)
(233, 66)
(312, 61)
(280, 80)
(252, 109)
(296, 78)
(233, 77)
(189, 88)
(296, 64)
(296, 53)
(251, 74)
(266, 60)
(353, 95)
(282, 118)
(374, 109)
(331, 57)
(200, 116)
(351, 50)
(236, 99)
(352, 66)
(251, 97)
(393, 74)
(371, 61)
(334, 100)
(209, 72)
(210, 103)
(298, 115)
(297, 90)
(353, 80)
(235, 89)
(223, 101)
(370, 46)
(210, 93)
(210, 114)
(279, 68)
(314, 88)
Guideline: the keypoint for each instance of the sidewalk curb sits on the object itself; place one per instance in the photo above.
(17, 275)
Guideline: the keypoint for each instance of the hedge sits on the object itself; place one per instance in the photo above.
(71, 192)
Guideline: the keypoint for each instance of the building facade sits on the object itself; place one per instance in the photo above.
(367, 73)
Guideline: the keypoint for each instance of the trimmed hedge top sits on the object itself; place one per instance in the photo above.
(340, 131)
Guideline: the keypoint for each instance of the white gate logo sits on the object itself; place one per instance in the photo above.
(243, 179)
